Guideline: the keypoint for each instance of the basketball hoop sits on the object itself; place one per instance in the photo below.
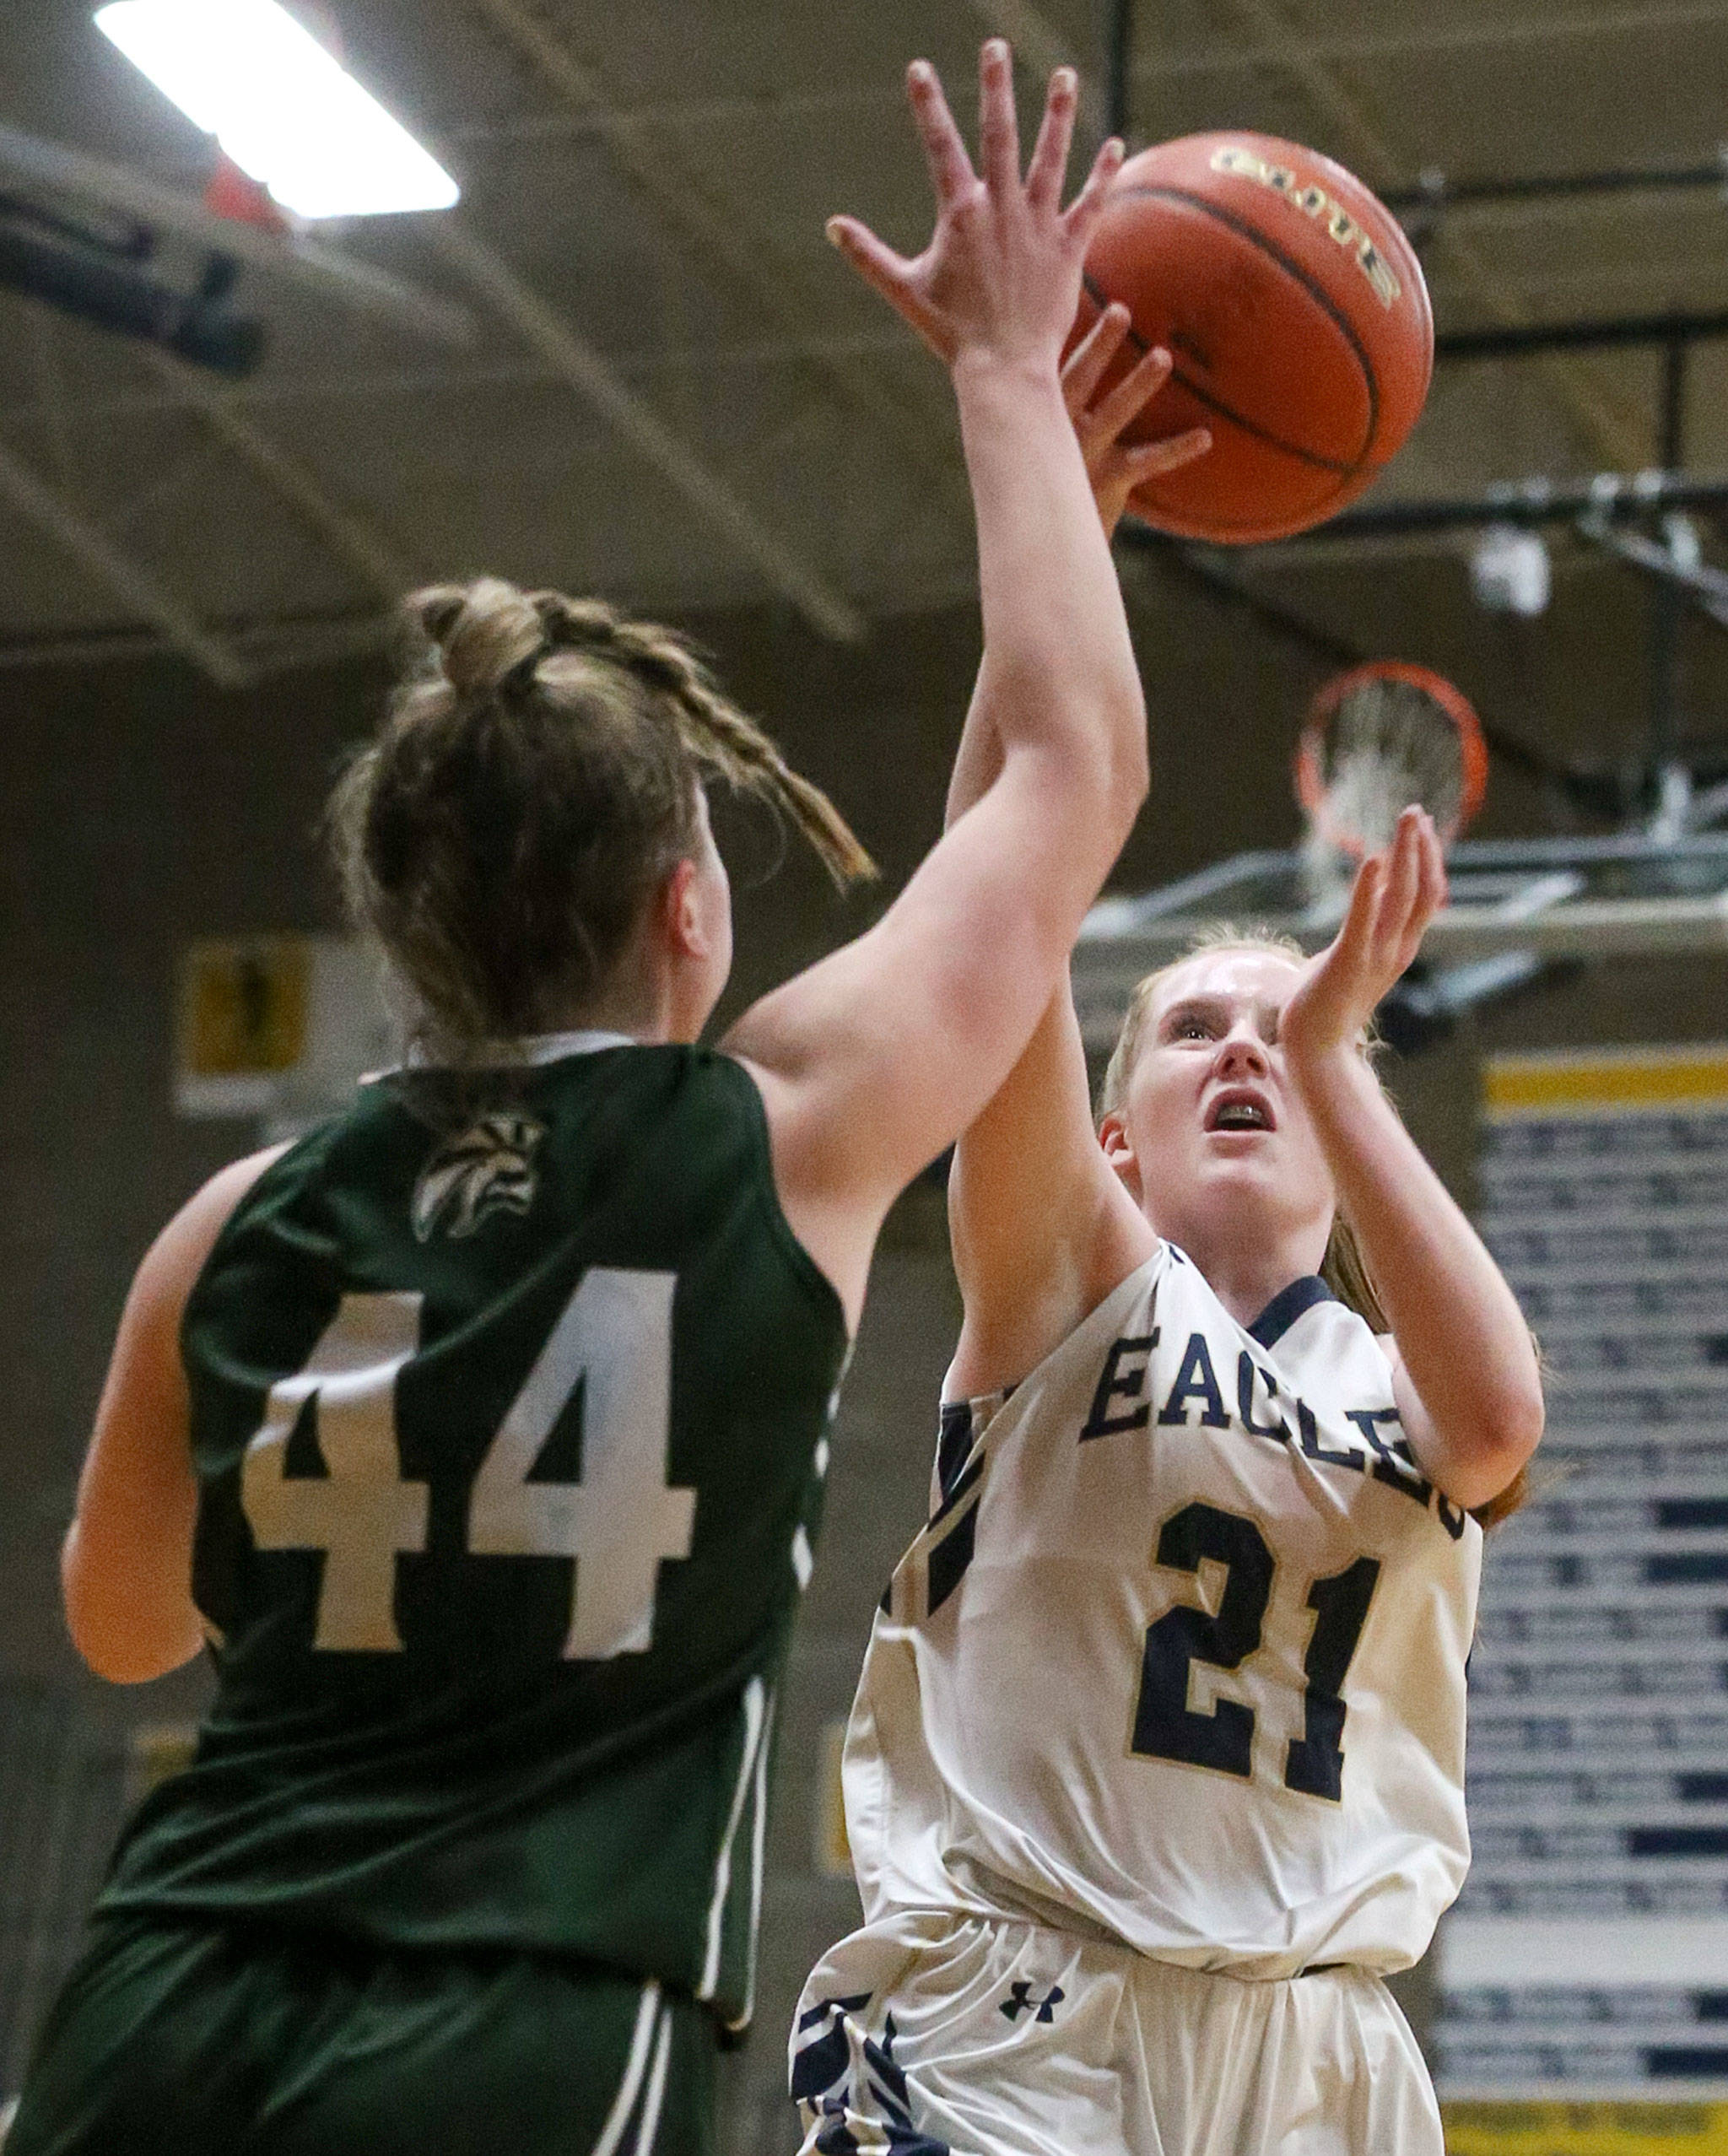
(1377, 740)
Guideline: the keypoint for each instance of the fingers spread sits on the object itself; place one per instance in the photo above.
(998, 129)
(1092, 355)
(1083, 213)
(951, 172)
(1404, 873)
(1050, 154)
(1136, 388)
(1147, 459)
(1433, 873)
(1357, 928)
(894, 277)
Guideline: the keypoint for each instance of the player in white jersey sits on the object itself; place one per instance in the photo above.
(1156, 1767)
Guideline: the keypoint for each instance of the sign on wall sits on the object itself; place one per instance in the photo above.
(1584, 1971)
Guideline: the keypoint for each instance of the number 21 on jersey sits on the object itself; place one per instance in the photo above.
(614, 1339)
(1165, 1725)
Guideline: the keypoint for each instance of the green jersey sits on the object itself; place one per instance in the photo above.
(509, 1393)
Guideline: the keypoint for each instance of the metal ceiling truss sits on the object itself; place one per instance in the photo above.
(54, 505)
(720, 228)
(1040, 49)
(352, 538)
(1443, 197)
(118, 572)
(1419, 33)
(594, 379)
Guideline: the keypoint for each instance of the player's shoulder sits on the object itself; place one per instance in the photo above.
(1309, 1333)
(171, 1267)
(187, 1241)
(1044, 1388)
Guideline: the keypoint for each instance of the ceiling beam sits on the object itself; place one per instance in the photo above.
(269, 393)
(1438, 196)
(127, 579)
(267, 647)
(721, 229)
(51, 397)
(1531, 502)
(1419, 34)
(354, 539)
(1600, 334)
(599, 384)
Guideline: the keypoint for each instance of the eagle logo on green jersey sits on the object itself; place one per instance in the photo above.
(488, 1168)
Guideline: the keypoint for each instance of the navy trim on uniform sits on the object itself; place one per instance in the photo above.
(953, 1443)
(1281, 1312)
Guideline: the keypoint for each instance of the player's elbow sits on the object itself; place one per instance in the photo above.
(1128, 779)
(124, 1633)
(1488, 1458)
(1088, 736)
(1518, 1413)
(1102, 773)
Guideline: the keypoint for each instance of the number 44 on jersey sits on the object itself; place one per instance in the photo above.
(613, 1338)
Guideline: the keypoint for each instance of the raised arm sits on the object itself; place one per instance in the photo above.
(1464, 1374)
(1042, 1227)
(875, 1059)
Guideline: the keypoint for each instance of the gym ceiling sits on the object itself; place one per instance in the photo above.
(668, 388)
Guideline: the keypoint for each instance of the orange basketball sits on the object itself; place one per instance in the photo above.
(1295, 310)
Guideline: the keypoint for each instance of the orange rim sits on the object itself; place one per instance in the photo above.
(1310, 745)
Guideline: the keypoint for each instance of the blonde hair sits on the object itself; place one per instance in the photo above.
(535, 777)
(1343, 1267)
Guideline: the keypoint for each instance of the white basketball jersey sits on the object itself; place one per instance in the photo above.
(1180, 1655)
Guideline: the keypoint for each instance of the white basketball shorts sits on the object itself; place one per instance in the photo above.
(932, 2036)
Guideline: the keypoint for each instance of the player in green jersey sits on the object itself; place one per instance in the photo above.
(481, 1432)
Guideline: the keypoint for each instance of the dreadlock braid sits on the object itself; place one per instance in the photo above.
(717, 735)
(535, 779)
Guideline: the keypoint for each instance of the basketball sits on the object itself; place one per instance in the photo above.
(1295, 311)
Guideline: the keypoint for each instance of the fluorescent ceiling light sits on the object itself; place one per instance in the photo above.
(279, 104)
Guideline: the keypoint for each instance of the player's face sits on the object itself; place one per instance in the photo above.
(1212, 1136)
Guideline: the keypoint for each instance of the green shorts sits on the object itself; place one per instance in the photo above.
(179, 2040)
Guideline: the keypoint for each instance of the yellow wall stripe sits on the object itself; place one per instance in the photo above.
(1603, 1081)
(1641, 2128)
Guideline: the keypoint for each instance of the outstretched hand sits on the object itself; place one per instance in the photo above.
(1001, 274)
(1116, 468)
(1395, 895)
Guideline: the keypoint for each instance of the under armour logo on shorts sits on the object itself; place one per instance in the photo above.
(1020, 2001)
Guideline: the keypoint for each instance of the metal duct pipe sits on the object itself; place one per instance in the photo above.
(1440, 194)
(1534, 501)
(1515, 344)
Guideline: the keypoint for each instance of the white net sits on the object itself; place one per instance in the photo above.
(1388, 743)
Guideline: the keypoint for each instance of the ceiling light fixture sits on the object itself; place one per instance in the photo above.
(279, 104)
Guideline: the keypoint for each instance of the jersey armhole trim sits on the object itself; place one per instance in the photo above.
(259, 1188)
(998, 1397)
(767, 1196)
